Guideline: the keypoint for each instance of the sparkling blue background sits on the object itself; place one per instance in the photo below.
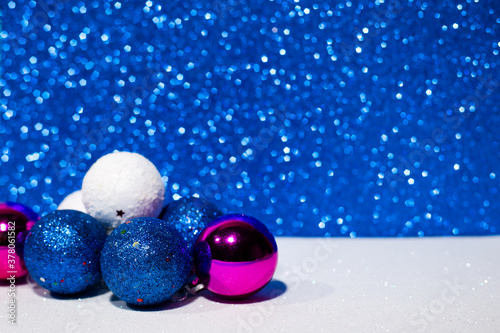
(316, 117)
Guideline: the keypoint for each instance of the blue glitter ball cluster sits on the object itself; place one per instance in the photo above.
(144, 261)
(366, 118)
(189, 216)
(62, 251)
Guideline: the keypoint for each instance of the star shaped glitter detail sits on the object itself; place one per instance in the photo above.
(120, 213)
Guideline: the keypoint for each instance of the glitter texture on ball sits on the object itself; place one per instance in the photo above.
(144, 261)
(62, 251)
(235, 256)
(189, 216)
(73, 201)
(121, 186)
(15, 222)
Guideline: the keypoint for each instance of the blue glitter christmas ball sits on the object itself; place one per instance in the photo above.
(190, 216)
(145, 262)
(62, 251)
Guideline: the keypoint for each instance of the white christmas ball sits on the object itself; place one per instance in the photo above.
(122, 186)
(74, 202)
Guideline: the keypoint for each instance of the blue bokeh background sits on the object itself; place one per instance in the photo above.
(371, 118)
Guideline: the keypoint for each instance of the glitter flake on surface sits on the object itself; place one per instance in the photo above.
(370, 118)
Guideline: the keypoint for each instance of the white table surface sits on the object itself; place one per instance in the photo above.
(321, 285)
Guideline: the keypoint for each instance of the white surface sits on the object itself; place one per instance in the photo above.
(332, 285)
(126, 182)
(73, 201)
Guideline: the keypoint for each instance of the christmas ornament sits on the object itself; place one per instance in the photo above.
(121, 186)
(189, 216)
(145, 261)
(62, 251)
(73, 201)
(15, 222)
(235, 256)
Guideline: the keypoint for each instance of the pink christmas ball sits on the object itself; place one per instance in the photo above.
(16, 221)
(235, 256)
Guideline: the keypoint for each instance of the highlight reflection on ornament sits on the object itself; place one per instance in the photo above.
(235, 256)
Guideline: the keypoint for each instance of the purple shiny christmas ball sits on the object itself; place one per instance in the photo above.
(16, 221)
(235, 256)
